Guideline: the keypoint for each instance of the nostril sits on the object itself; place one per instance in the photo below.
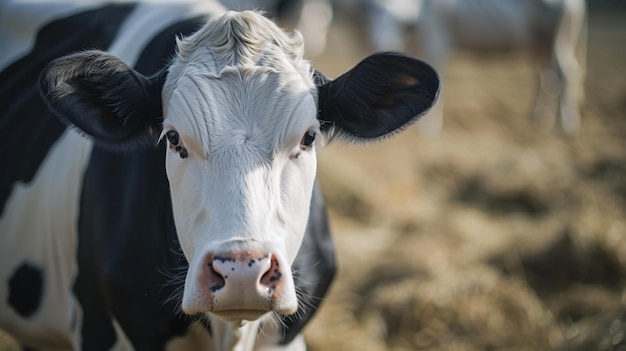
(235, 272)
(216, 280)
(273, 275)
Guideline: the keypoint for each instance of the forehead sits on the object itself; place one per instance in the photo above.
(237, 40)
(240, 77)
(254, 104)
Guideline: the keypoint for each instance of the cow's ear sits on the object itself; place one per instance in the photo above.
(382, 94)
(105, 99)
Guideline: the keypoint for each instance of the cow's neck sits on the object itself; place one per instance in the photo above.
(263, 334)
(228, 336)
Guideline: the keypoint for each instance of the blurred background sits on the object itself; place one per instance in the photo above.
(492, 234)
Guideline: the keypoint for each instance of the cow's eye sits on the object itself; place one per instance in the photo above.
(307, 139)
(172, 137)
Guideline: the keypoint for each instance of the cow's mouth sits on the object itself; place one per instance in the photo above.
(240, 316)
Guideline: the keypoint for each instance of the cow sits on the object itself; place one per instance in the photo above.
(552, 31)
(158, 183)
(311, 17)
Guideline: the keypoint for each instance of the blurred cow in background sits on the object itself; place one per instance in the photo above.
(311, 17)
(553, 31)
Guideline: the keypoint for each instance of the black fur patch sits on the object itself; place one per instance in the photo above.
(27, 127)
(26, 289)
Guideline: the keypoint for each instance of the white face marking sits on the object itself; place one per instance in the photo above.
(246, 177)
(239, 101)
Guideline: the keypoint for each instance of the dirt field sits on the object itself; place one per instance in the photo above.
(493, 235)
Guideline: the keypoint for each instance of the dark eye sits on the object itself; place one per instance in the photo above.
(307, 139)
(172, 137)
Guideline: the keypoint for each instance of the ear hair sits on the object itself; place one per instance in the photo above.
(104, 98)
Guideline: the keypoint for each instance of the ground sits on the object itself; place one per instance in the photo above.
(492, 235)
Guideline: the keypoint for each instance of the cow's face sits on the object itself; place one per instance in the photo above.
(241, 163)
(241, 114)
(241, 166)
(241, 131)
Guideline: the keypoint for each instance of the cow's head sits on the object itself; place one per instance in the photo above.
(242, 114)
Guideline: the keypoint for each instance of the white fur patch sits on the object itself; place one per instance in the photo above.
(39, 225)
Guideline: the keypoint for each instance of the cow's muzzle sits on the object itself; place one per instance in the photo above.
(240, 285)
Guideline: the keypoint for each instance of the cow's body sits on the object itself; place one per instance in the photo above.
(89, 236)
(552, 32)
(73, 302)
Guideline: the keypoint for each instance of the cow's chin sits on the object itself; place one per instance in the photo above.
(240, 317)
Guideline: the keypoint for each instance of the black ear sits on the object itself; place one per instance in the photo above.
(383, 93)
(104, 98)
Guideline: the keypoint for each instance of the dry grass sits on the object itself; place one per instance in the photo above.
(492, 235)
